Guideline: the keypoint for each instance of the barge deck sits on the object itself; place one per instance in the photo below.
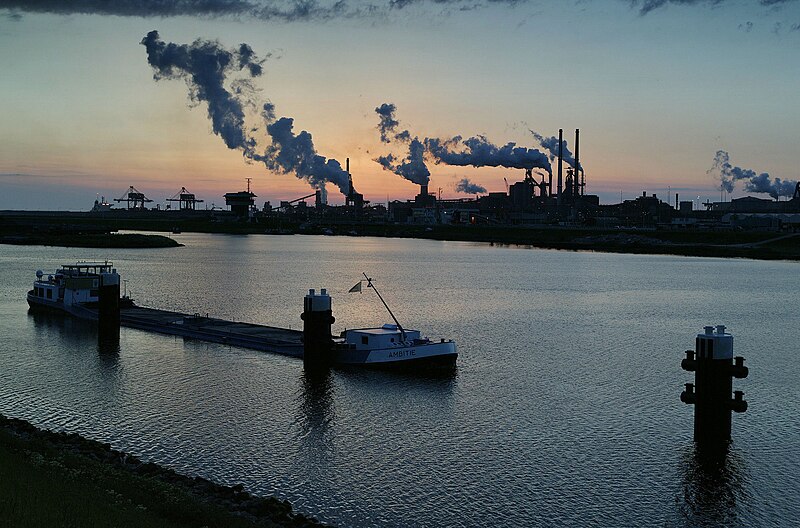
(247, 335)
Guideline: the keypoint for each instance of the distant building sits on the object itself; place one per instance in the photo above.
(241, 203)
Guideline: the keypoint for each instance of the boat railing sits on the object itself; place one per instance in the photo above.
(84, 267)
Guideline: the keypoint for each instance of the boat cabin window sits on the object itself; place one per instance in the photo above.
(49, 294)
(364, 340)
(94, 293)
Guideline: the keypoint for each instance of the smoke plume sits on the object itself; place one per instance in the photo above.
(754, 182)
(205, 67)
(467, 187)
(412, 167)
(290, 153)
(551, 145)
(476, 151)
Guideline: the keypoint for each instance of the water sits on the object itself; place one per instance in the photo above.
(564, 409)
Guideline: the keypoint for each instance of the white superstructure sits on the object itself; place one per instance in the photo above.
(71, 288)
(390, 344)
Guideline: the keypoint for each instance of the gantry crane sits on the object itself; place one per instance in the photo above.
(187, 200)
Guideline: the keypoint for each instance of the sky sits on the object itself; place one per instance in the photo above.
(656, 87)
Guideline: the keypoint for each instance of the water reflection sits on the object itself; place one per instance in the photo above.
(108, 347)
(80, 344)
(714, 480)
(316, 405)
(53, 327)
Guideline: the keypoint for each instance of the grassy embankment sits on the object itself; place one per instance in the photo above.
(55, 479)
(91, 240)
(72, 232)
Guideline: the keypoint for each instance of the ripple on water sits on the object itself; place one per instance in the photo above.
(563, 411)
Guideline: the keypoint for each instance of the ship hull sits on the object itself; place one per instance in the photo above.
(430, 355)
(43, 305)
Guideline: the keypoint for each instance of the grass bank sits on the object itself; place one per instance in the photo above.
(91, 240)
(60, 480)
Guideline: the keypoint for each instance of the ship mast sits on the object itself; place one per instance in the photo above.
(370, 285)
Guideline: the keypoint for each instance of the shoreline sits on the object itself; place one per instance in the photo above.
(91, 240)
(46, 475)
(87, 230)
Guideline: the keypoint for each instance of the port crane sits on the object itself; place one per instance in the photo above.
(134, 198)
(187, 200)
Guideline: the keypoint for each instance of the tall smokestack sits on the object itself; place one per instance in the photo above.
(676, 201)
(423, 190)
(349, 178)
(575, 181)
(560, 157)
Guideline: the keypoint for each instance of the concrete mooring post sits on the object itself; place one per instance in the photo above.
(108, 302)
(317, 320)
(712, 362)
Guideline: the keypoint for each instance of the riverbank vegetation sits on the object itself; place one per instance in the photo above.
(57, 479)
(91, 240)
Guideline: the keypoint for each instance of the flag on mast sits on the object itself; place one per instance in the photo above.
(356, 288)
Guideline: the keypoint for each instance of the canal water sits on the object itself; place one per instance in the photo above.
(564, 409)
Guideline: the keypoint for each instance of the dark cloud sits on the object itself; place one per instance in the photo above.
(283, 10)
(296, 10)
(646, 6)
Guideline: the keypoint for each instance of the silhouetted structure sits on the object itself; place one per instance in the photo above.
(713, 364)
(134, 198)
(317, 319)
(187, 200)
(108, 316)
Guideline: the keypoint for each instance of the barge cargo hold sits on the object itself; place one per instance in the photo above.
(247, 335)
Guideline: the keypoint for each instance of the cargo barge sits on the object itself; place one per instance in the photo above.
(90, 290)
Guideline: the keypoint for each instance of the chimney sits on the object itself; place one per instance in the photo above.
(676, 201)
(349, 178)
(560, 156)
(575, 181)
(423, 190)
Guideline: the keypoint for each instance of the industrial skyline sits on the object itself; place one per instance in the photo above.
(660, 91)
